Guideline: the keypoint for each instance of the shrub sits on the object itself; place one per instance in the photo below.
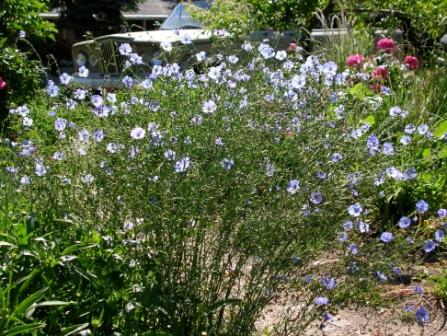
(17, 69)
(204, 193)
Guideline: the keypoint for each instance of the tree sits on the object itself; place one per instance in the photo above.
(97, 16)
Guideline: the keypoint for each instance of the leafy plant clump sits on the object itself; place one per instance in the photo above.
(202, 193)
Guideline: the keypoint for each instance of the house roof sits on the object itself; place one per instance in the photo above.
(147, 10)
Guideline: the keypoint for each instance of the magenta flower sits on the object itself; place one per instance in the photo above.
(386, 44)
(355, 61)
(411, 62)
(380, 73)
(2, 83)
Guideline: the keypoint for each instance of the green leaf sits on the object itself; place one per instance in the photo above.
(370, 120)
(74, 329)
(441, 129)
(25, 304)
(32, 308)
(25, 328)
(3, 243)
(360, 91)
(426, 153)
(442, 154)
(72, 248)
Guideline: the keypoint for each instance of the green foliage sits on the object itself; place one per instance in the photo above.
(20, 73)
(234, 16)
(423, 21)
(19, 15)
(243, 17)
(285, 14)
(22, 77)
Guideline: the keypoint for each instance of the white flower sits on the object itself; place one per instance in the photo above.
(185, 38)
(209, 107)
(201, 56)
(166, 46)
(281, 55)
(65, 78)
(83, 71)
(233, 59)
(182, 165)
(125, 49)
(266, 51)
(137, 133)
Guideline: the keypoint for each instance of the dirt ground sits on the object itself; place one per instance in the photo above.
(362, 321)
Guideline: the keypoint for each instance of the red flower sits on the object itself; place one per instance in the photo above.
(386, 44)
(380, 73)
(293, 46)
(2, 84)
(355, 61)
(411, 62)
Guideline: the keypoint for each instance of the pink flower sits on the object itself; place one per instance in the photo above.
(355, 61)
(2, 83)
(380, 73)
(411, 62)
(386, 44)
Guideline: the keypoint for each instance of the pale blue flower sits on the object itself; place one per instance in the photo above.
(83, 71)
(65, 78)
(439, 235)
(127, 81)
(388, 148)
(363, 227)
(227, 163)
(410, 129)
(233, 59)
(166, 45)
(429, 246)
(328, 282)
(98, 135)
(60, 124)
(270, 169)
(386, 237)
(321, 301)
(57, 156)
(404, 222)
(39, 168)
(80, 94)
(87, 178)
(266, 51)
(182, 165)
(422, 129)
(137, 133)
(380, 276)
(125, 49)
(352, 248)
(293, 187)
(169, 155)
(281, 55)
(201, 56)
(422, 206)
(422, 315)
(355, 210)
(185, 38)
(316, 197)
(52, 89)
(442, 213)
(209, 107)
(405, 140)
